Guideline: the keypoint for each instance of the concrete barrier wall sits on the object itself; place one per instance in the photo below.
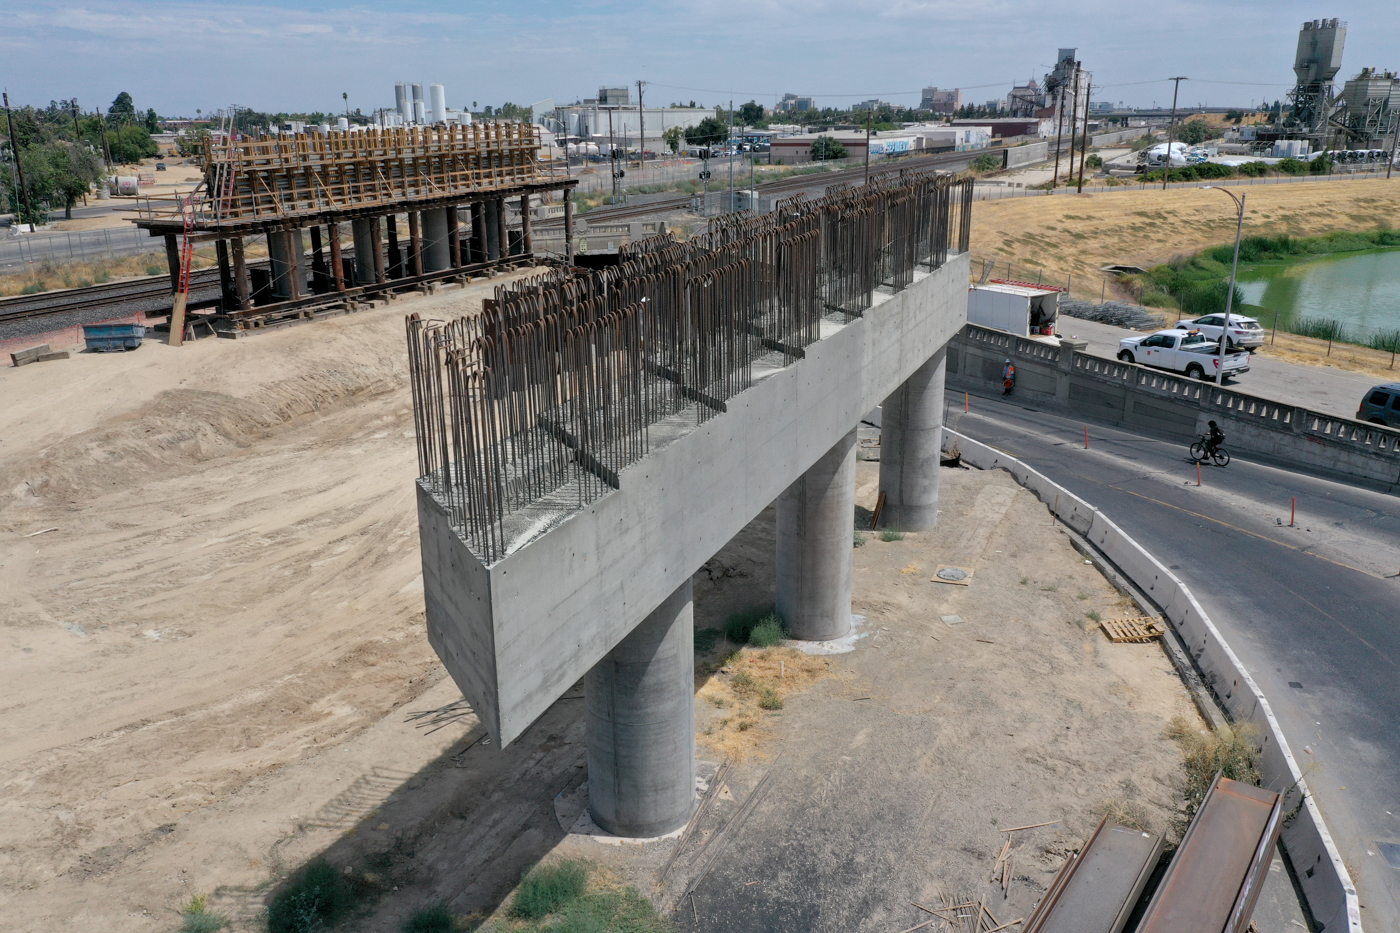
(1028, 154)
(1138, 397)
(1324, 878)
(1119, 137)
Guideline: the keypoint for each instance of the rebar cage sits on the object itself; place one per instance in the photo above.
(566, 378)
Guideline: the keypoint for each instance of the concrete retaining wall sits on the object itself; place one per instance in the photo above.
(1324, 878)
(1119, 137)
(1029, 154)
(1135, 396)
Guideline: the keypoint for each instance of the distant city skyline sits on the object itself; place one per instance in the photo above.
(300, 56)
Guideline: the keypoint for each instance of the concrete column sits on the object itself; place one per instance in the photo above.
(454, 236)
(911, 442)
(284, 249)
(816, 527)
(362, 229)
(526, 241)
(242, 288)
(225, 274)
(502, 235)
(437, 251)
(641, 725)
(569, 227)
(337, 264)
(377, 239)
(478, 212)
(493, 230)
(415, 243)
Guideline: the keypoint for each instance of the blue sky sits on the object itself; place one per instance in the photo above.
(300, 55)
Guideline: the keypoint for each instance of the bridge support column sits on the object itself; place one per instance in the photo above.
(493, 242)
(641, 725)
(911, 442)
(816, 524)
(437, 250)
(362, 231)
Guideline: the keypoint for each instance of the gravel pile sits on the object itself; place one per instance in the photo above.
(1118, 313)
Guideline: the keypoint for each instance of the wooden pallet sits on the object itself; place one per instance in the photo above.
(1142, 628)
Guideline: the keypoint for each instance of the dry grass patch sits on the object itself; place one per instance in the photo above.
(749, 688)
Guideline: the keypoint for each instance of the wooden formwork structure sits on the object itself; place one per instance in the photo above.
(278, 186)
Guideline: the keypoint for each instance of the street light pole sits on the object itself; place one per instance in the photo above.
(1230, 295)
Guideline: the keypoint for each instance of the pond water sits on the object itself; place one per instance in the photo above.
(1361, 289)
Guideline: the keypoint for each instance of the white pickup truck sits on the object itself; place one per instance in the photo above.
(1188, 352)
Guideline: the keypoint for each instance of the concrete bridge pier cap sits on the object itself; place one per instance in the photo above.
(911, 439)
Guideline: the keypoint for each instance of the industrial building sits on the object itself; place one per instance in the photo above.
(941, 101)
(612, 119)
(794, 103)
(927, 137)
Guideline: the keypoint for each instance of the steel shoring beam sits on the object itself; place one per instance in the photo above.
(561, 377)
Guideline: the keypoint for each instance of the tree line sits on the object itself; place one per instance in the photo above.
(63, 151)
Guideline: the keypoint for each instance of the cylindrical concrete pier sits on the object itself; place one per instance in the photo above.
(911, 441)
(493, 230)
(641, 725)
(363, 231)
(284, 252)
(437, 252)
(816, 527)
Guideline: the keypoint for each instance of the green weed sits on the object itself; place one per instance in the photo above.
(770, 700)
(767, 633)
(318, 897)
(547, 888)
(435, 919)
(858, 540)
(196, 917)
(1093, 615)
(891, 534)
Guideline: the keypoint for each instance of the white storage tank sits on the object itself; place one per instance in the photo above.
(437, 97)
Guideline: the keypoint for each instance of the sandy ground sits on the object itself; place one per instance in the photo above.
(1078, 235)
(211, 637)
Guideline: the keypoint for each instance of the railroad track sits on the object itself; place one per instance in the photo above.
(96, 296)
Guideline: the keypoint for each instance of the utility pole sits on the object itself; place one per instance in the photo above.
(1059, 134)
(730, 146)
(1084, 144)
(868, 114)
(19, 167)
(612, 154)
(1167, 169)
(642, 124)
(1073, 116)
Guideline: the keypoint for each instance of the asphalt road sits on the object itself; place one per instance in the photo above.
(1313, 611)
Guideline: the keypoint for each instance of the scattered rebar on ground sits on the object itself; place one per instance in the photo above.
(1117, 313)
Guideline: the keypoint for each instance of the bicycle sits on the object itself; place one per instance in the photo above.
(1200, 452)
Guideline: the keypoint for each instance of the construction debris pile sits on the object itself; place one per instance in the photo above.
(559, 384)
(1117, 313)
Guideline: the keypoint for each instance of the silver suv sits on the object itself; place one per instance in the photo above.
(1381, 405)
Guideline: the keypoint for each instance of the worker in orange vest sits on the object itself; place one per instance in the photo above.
(1008, 377)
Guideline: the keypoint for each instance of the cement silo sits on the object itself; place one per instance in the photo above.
(437, 98)
(1317, 62)
(403, 103)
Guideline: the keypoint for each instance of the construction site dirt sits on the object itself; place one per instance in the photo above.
(216, 671)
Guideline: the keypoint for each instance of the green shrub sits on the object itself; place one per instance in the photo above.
(705, 639)
(547, 888)
(34, 289)
(196, 917)
(858, 540)
(770, 700)
(102, 276)
(1094, 161)
(985, 163)
(318, 897)
(435, 919)
(741, 625)
(1292, 166)
(1231, 751)
(1254, 169)
(609, 911)
(767, 633)
(1320, 328)
(891, 534)
(154, 270)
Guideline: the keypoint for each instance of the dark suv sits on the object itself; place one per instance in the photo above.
(1381, 405)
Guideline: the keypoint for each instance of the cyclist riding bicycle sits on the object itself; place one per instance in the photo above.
(1214, 439)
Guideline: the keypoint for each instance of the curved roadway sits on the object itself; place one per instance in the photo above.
(1312, 610)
